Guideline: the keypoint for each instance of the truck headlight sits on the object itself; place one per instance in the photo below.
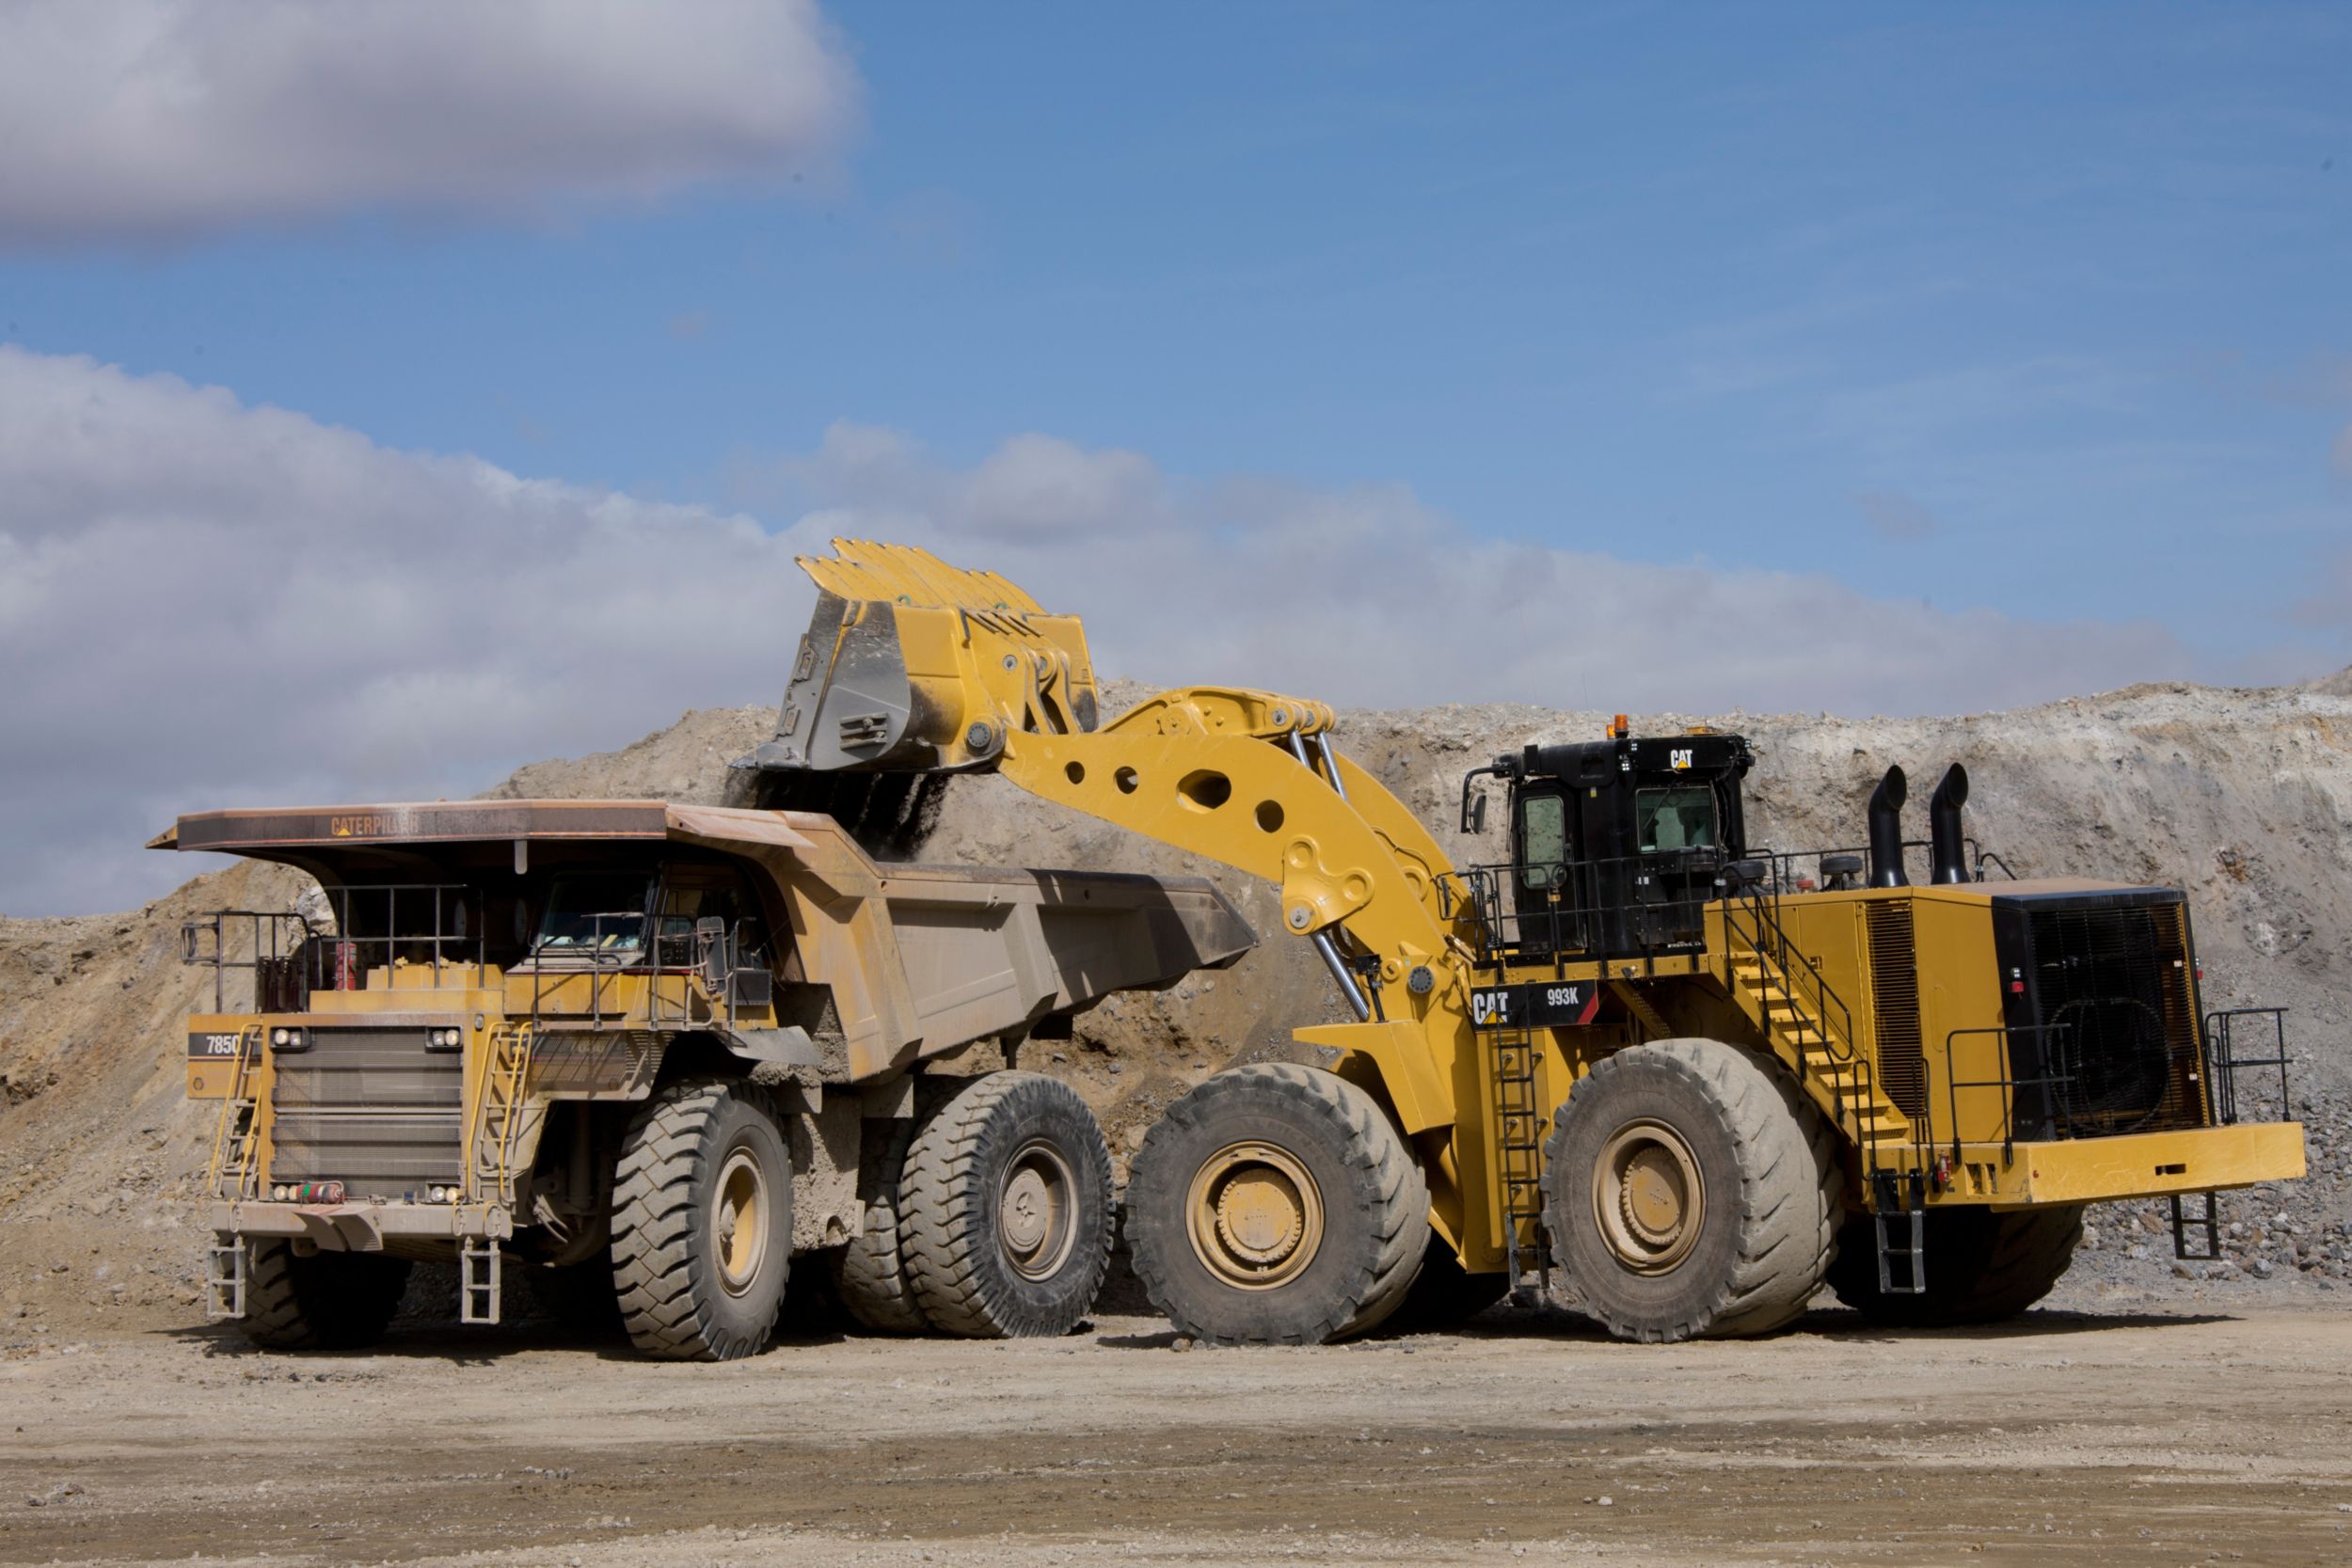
(444, 1040)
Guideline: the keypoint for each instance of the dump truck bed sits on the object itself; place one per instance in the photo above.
(920, 960)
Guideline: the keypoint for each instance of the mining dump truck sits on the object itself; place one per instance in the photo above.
(649, 1053)
(1695, 1076)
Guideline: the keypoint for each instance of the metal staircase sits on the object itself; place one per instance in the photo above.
(492, 1142)
(1811, 1029)
(235, 1135)
(1518, 1132)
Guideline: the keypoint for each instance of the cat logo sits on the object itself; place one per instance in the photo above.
(1679, 758)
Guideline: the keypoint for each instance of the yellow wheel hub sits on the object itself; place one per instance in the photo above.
(1649, 1200)
(739, 1221)
(1254, 1216)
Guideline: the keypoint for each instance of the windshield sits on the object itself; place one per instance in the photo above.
(605, 915)
(1679, 818)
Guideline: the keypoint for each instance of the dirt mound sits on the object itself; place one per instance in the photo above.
(2243, 797)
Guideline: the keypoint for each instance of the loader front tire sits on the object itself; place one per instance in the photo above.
(1276, 1204)
(326, 1301)
(1981, 1266)
(1691, 1192)
(702, 1221)
(1005, 1210)
(870, 1274)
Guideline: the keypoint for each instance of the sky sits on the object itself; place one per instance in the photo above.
(395, 393)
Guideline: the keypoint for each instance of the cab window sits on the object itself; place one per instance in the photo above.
(1543, 838)
(595, 914)
(686, 901)
(1683, 817)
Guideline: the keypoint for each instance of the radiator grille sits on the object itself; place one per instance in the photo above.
(1895, 1006)
(370, 1108)
(2112, 987)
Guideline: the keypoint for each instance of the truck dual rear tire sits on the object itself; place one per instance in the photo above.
(871, 1275)
(1981, 1266)
(1275, 1204)
(326, 1301)
(702, 1221)
(1005, 1210)
(1691, 1192)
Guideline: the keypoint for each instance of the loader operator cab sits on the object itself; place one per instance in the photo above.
(1616, 844)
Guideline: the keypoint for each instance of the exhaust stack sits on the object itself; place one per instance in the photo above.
(1886, 831)
(1949, 855)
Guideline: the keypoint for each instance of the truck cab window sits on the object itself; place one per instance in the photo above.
(601, 914)
(1543, 839)
(686, 901)
(1679, 818)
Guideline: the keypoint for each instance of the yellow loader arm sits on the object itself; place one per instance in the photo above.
(910, 664)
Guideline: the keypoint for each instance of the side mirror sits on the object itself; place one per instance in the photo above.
(1474, 823)
(711, 950)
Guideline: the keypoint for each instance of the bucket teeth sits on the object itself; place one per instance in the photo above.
(906, 575)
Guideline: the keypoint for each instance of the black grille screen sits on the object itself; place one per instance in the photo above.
(2109, 985)
(1895, 1006)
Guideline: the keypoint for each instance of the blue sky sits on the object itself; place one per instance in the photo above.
(2064, 289)
(2034, 311)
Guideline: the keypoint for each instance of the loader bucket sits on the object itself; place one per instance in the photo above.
(912, 665)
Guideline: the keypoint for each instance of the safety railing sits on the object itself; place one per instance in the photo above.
(1627, 907)
(2007, 1081)
(273, 942)
(733, 977)
(1752, 926)
(2224, 1064)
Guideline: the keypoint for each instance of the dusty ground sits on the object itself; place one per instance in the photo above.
(2070, 1437)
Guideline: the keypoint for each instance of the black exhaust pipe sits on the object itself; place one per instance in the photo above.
(1886, 831)
(1949, 855)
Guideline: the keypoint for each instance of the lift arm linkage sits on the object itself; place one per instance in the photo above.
(911, 663)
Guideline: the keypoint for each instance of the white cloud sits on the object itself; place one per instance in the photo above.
(205, 603)
(162, 118)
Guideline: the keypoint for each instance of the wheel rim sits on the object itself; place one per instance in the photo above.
(1649, 1200)
(1037, 1211)
(739, 1221)
(1254, 1216)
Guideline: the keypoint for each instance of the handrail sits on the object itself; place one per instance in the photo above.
(2220, 1045)
(1777, 958)
(2007, 1083)
(225, 1131)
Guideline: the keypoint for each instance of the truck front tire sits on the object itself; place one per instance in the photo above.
(1691, 1192)
(1005, 1210)
(1275, 1204)
(702, 1221)
(324, 1301)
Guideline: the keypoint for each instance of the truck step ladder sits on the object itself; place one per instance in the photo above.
(1519, 1123)
(2200, 1228)
(480, 1281)
(499, 1113)
(1900, 1216)
(224, 1279)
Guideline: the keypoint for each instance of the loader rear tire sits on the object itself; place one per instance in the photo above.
(1276, 1204)
(702, 1221)
(1981, 1266)
(1005, 1210)
(1444, 1295)
(1691, 1192)
(326, 1301)
(871, 1275)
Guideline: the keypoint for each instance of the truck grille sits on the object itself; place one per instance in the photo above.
(2110, 994)
(370, 1108)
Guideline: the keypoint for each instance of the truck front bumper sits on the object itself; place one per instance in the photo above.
(2135, 1165)
(362, 1226)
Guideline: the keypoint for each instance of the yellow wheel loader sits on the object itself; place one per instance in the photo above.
(1698, 1077)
